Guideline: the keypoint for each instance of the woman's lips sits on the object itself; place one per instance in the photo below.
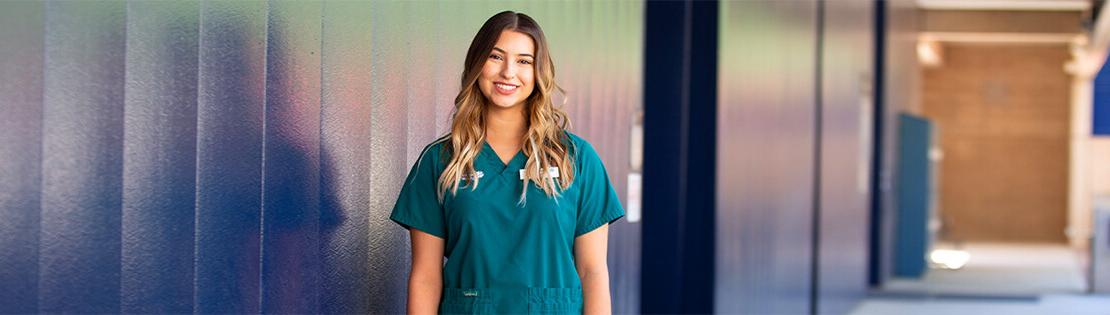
(504, 88)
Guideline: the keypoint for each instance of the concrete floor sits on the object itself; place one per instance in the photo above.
(998, 279)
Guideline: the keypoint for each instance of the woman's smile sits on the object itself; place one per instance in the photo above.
(505, 88)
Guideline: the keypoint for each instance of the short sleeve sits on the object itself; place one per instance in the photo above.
(418, 204)
(598, 203)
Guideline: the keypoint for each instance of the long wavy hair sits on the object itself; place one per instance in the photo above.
(545, 142)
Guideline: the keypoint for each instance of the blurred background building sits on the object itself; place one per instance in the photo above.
(774, 157)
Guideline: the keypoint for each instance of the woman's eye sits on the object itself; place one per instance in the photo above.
(526, 62)
(495, 57)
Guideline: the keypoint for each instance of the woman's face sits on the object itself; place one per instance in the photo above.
(508, 75)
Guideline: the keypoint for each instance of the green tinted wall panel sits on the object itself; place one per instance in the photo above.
(344, 164)
(765, 149)
(389, 254)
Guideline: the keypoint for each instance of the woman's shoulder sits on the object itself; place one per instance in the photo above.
(579, 147)
(439, 143)
(574, 139)
(436, 151)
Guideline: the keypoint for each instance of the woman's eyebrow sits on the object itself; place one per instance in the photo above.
(523, 55)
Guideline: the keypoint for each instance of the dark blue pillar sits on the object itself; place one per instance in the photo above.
(875, 261)
(1100, 111)
(680, 118)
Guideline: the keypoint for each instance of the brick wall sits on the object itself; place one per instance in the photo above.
(1002, 113)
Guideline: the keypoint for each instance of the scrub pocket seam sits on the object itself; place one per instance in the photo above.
(555, 301)
(476, 307)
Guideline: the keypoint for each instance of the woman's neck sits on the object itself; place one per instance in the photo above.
(505, 125)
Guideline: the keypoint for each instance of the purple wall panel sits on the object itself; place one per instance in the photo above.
(159, 158)
(845, 155)
(230, 104)
(21, 71)
(291, 160)
(765, 156)
(82, 162)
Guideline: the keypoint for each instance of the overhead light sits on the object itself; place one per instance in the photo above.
(929, 52)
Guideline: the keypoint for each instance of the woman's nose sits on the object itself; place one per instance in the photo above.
(507, 70)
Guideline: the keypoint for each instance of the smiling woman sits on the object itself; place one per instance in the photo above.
(509, 68)
(528, 231)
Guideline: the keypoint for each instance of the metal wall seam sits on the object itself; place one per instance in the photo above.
(230, 107)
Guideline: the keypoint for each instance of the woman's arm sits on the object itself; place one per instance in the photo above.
(590, 250)
(426, 279)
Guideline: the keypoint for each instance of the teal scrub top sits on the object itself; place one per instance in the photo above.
(503, 257)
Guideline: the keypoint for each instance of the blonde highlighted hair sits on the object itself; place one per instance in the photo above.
(545, 142)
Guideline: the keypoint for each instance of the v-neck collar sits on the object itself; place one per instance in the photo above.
(515, 164)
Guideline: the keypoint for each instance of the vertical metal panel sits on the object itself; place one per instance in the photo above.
(621, 54)
(625, 255)
(232, 86)
(21, 62)
(447, 68)
(159, 158)
(291, 160)
(82, 163)
(419, 89)
(765, 156)
(345, 158)
(389, 254)
(901, 89)
(846, 88)
(586, 83)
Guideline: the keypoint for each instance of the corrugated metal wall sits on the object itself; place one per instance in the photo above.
(244, 156)
(793, 165)
(21, 96)
(846, 122)
(765, 155)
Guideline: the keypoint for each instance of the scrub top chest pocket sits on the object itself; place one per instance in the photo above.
(494, 204)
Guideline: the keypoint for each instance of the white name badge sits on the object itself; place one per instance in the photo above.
(476, 175)
(552, 172)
